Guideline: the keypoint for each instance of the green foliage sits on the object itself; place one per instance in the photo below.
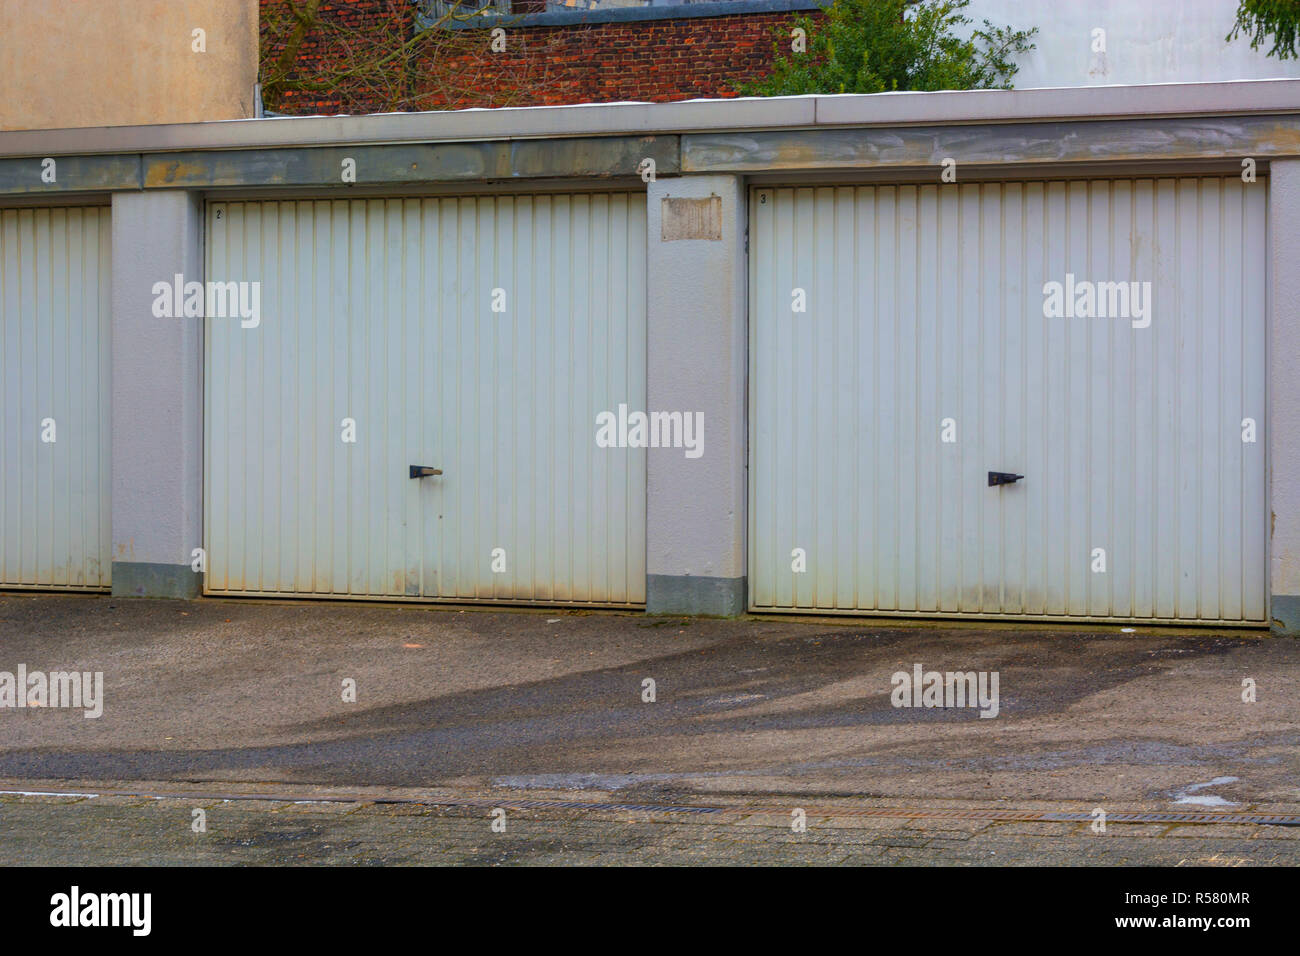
(873, 46)
(1264, 19)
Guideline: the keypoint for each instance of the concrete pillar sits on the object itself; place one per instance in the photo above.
(157, 397)
(697, 346)
(1284, 396)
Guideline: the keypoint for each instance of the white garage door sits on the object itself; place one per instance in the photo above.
(930, 356)
(54, 376)
(476, 335)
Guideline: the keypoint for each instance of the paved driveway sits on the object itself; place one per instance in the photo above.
(228, 698)
(242, 691)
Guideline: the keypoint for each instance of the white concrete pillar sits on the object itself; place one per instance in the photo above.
(697, 346)
(157, 397)
(1284, 396)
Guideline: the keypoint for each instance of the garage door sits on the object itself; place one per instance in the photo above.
(54, 426)
(479, 336)
(951, 332)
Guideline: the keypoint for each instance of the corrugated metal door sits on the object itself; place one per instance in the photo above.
(54, 427)
(478, 335)
(925, 360)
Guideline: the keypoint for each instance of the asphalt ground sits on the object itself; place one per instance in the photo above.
(230, 696)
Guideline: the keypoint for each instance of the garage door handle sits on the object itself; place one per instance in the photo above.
(422, 471)
(1003, 478)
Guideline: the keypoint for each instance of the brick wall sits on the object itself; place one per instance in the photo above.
(649, 60)
(654, 60)
(372, 20)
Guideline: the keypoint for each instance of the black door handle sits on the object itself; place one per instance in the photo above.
(422, 471)
(1003, 478)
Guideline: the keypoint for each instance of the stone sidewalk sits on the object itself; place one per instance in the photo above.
(111, 829)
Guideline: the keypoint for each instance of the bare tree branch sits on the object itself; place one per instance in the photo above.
(392, 63)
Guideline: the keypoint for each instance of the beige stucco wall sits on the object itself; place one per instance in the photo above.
(66, 63)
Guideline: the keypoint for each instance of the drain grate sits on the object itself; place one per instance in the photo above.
(907, 813)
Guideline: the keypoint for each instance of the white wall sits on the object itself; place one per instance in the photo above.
(1147, 41)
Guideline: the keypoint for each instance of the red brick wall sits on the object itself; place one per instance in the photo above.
(374, 19)
(653, 60)
(649, 60)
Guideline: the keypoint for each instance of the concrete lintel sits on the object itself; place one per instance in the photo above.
(411, 164)
(69, 173)
(1088, 104)
(1148, 101)
(1261, 137)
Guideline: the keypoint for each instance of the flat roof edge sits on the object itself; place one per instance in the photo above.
(739, 114)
